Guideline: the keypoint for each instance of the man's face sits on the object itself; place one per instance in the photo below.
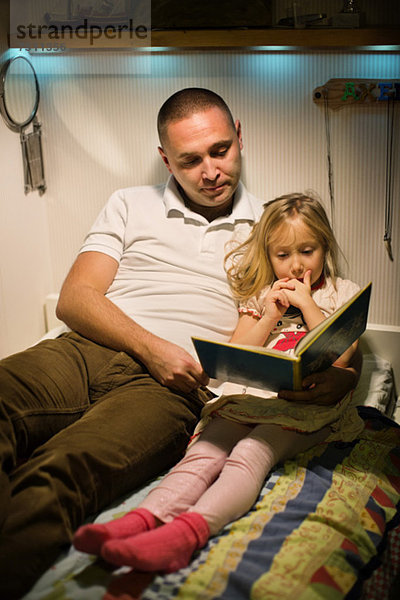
(203, 152)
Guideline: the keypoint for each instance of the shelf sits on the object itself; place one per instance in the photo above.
(307, 39)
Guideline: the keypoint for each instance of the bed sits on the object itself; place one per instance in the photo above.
(326, 525)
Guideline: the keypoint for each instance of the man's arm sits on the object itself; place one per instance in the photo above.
(84, 307)
(330, 386)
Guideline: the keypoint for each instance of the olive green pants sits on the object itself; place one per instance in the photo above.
(80, 425)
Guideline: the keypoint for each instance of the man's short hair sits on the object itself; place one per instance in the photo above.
(185, 103)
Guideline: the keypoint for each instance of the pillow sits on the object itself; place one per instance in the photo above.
(375, 386)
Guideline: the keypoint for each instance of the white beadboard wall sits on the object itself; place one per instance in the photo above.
(98, 112)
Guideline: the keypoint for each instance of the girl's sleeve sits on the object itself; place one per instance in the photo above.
(345, 291)
(253, 306)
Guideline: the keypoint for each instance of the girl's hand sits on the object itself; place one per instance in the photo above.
(276, 302)
(299, 292)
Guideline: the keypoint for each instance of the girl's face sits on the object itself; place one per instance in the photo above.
(293, 249)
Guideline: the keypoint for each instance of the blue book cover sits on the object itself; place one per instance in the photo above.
(275, 370)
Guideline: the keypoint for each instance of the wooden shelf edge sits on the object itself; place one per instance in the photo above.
(232, 38)
(308, 38)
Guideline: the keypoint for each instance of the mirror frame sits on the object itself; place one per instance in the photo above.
(13, 125)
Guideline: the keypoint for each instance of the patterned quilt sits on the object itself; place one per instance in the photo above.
(326, 525)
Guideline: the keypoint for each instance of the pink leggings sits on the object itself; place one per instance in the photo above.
(222, 473)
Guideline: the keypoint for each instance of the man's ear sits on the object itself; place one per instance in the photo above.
(165, 158)
(238, 128)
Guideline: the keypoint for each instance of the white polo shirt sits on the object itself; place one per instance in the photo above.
(171, 277)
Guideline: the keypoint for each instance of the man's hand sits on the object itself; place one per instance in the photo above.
(175, 368)
(327, 387)
(84, 307)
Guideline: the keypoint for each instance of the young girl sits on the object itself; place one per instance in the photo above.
(286, 279)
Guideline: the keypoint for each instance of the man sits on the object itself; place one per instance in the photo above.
(112, 403)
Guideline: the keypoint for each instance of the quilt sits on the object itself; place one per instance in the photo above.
(322, 528)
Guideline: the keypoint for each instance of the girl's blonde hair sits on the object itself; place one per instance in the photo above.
(250, 269)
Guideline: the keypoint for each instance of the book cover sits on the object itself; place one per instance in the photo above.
(275, 370)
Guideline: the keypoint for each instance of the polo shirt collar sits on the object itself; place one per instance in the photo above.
(242, 208)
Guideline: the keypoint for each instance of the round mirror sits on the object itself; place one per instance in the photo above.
(19, 93)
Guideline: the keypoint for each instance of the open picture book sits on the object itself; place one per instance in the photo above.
(275, 370)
